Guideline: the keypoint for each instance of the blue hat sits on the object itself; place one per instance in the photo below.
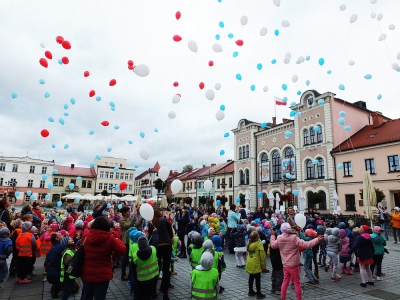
(342, 225)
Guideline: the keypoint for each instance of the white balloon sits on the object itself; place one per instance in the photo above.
(263, 31)
(395, 66)
(398, 55)
(217, 48)
(295, 78)
(286, 60)
(343, 7)
(379, 16)
(352, 63)
(42, 45)
(217, 86)
(288, 55)
(301, 59)
(300, 220)
(171, 115)
(265, 89)
(220, 115)
(277, 3)
(285, 23)
(141, 70)
(146, 211)
(144, 153)
(210, 94)
(373, 1)
(176, 186)
(163, 173)
(373, 15)
(392, 27)
(207, 185)
(244, 20)
(382, 37)
(192, 46)
(176, 99)
(353, 18)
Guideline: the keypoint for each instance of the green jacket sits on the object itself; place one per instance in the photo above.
(379, 243)
(256, 260)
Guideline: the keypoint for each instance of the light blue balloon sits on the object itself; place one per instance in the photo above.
(59, 203)
(295, 192)
(321, 101)
(46, 94)
(321, 61)
(259, 66)
(14, 95)
(368, 76)
(77, 199)
(109, 149)
(273, 61)
(91, 132)
(222, 152)
(307, 82)
(55, 171)
(119, 206)
(259, 195)
(298, 92)
(329, 71)
(299, 113)
(29, 192)
(66, 114)
(60, 62)
(347, 128)
(130, 142)
(221, 24)
(72, 100)
(238, 200)
(53, 145)
(112, 108)
(136, 166)
(308, 57)
(219, 1)
(116, 169)
(42, 81)
(71, 186)
(217, 37)
(17, 194)
(238, 77)
(116, 127)
(284, 87)
(340, 166)
(341, 87)
(155, 129)
(79, 178)
(292, 113)
(98, 157)
(66, 146)
(66, 106)
(317, 128)
(61, 120)
(112, 104)
(222, 107)
(253, 87)
(117, 187)
(33, 197)
(235, 54)
(218, 202)
(263, 125)
(288, 133)
(44, 176)
(226, 134)
(92, 164)
(293, 103)
(284, 99)
(108, 205)
(342, 113)
(379, 97)
(142, 135)
(47, 197)
(276, 32)
(51, 119)
(315, 162)
(341, 121)
(98, 98)
(288, 176)
(230, 35)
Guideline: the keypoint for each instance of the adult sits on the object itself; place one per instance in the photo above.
(270, 211)
(233, 218)
(81, 206)
(182, 220)
(311, 212)
(70, 207)
(5, 214)
(97, 211)
(200, 211)
(36, 209)
(224, 214)
(395, 218)
(384, 220)
(291, 221)
(97, 271)
(242, 210)
(27, 210)
(259, 214)
(126, 222)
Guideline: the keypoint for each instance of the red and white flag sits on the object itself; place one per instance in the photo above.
(278, 101)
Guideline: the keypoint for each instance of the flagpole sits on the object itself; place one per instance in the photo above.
(275, 105)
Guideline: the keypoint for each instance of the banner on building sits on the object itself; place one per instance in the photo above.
(264, 171)
(289, 166)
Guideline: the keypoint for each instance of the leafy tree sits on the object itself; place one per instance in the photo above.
(242, 200)
(104, 193)
(314, 198)
(187, 167)
(159, 184)
(202, 200)
(379, 195)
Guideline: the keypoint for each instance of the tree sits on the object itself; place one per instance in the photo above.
(104, 193)
(314, 198)
(202, 200)
(187, 167)
(242, 199)
(379, 195)
(160, 185)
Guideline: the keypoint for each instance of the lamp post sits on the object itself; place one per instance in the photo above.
(12, 183)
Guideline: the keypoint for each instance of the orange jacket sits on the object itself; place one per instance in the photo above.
(38, 252)
(395, 218)
(46, 245)
(24, 244)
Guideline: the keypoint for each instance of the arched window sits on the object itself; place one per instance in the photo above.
(288, 152)
(242, 179)
(310, 169)
(240, 153)
(312, 136)
(264, 158)
(322, 204)
(247, 151)
(305, 135)
(321, 168)
(276, 166)
(247, 177)
(320, 138)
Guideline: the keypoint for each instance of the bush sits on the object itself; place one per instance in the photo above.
(49, 205)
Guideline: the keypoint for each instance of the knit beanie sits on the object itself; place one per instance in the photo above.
(209, 230)
(328, 231)
(251, 229)
(267, 225)
(206, 261)
(34, 229)
(26, 226)
(342, 225)
(17, 223)
(366, 229)
(217, 241)
(135, 235)
(70, 219)
(355, 230)
(198, 242)
(54, 227)
(319, 226)
(143, 242)
(285, 228)
(208, 244)
(335, 231)
(202, 223)
(311, 233)
(378, 229)
(4, 233)
(63, 233)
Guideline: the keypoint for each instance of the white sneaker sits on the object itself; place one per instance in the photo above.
(379, 278)
(394, 242)
(160, 275)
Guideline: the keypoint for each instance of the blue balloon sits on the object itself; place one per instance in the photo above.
(342, 113)
(230, 35)
(276, 32)
(341, 121)
(238, 200)
(92, 164)
(66, 146)
(116, 127)
(79, 178)
(308, 57)
(91, 132)
(66, 114)
(136, 166)
(51, 119)
(217, 37)
(226, 134)
(299, 113)
(14, 95)
(59, 203)
(221, 24)
(222, 152)
(218, 202)
(112, 104)
(284, 99)
(155, 129)
(347, 128)
(235, 54)
(329, 71)
(47, 197)
(288, 176)
(108, 205)
(259, 195)
(119, 206)
(238, 77)
(98, 157)
(379, 97)
(130, 142)
(307, 82)
(315, 162)
(253, 87)
(263, 125)
(77, 199)
(29, 192)
(73, 101)
(116, 169)
(98, 98)
(33, 197)
(46, 94)
(142, 134)
(273, 61)
(259, 66)
(109, 149)
(341, 87)
(321, 101)
(66, 106)
(340, 166)
(53, 145)
(293, 103)
(288, 133)
(44, 176)
(284, 87)
(316, 128)
(117, 187)
(17, 194)
(321, 61)
(295, 192)
(71, 186)
(222, 107)
(60, 62)
(55, 171)
(42, 81)
(292, 113)
(368, 76)
(61, 120)
(112, 108)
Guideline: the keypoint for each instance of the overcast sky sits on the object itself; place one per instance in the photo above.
(105, 34)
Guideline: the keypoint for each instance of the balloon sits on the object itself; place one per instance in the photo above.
(112, 104)
(321, 101)
(308, 57)
(92, 93)
(222, 107)
(300, 220)
(395, 66)
(353, 18)
(178, 15)
(220, 115)
(42, 81)
(48, 54)
(284, 87)
(61, 120)
(146, 211)
(66, 45)
(286, 60)
(295, 192)
(217, 48)
(112, 82)
(368, 76)
(86, 73)
(59, 39)
(244, 20)
(238, 77)
(117, 187)
(379, 17)
(201, 85)
(263, 31)
(321, 61)
(342, 7)
(92, 164)
(293, 103)
(142, 135)
(288, 176)
(373, 15)
(98, 157)
(307, 82)
(382, 37)
(301, 59)
(116, 127)
(172, 115)
(265, 89)
(235, 54)
(46, 94)
(341, 87)
(43, 62)
(163, 173)
(105, 123)
(317, 128)
(329, 71)
(14, 95)
(373, 1)
(44, 176)
(141, 70)
(155, 130)
(379, 97)
(292, 113)
(239, 42)
(259, 66)
(66, 146)
(277, 3)
(119, 206)
(288, 134)
(192, 46)
(53, 146)
(207, 185)
(42, 45)
(59, 203)
(226, 134)
(176, 84)
(108, 205)
(391, 27)
(351, 63)
(72, 100)
(33, 197)
(221, 24)
(217, 86)
(71, 186)
(230, 35)
(130, 142)
(259, 195)
(342, 113)
(295, 78)
(218, 202)
(109, 149)
(176, 186)
(44, 133)
(299, 93)
(47, 197)
(123, 185)
(276, 32)
(65, 60)
(176, 38)
(341, 121)
(221, 152)
(273, 61)
(29, 192)
(50, 186)
(55, 171)
(210, 94)
(60, 62)
(66, 106)
(210, 63)
(98, 98)
(238, 200)
(347, 128)
(217, 37)
(340, 166)
(252, 87)
(263, 125)
(285, 23)
(144, 153)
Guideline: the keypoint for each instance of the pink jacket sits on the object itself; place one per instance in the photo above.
(288, 245)
(345, 247)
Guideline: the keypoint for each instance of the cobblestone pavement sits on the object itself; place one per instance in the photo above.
(235, 282)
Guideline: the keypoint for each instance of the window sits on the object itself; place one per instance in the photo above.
(42, 183)
(322, 204)
(310, 169)
(44, 170)
(242, 179)
(130, 188)
(117, 175)
(370, 165)
(106, 163)
(348, 171)
(115, 164)
(120, 165)
(110, 186)
(101, 174)
(321, 168)
(106, 175)
(240, 153)
(312, 136)
(73, 181)
(247, 176)
(320, 138)
(27, 198)
(230, 182)
(111, 175)
(15, 168)
(305, 135)
(56, 197)
(61, 182)
(89, 184)
(1, 181)
(121, 176)
(230, 199)
(247, 151)
(276, 166)
(130, 176)
(127, 176)
(105, 186)
(55, 182)
(218, 183)
(289, 153)
(100, 186)
(84, 183)
(30, 183)
(2, 166)
(393, 163)
(32, 169)
(350, 202)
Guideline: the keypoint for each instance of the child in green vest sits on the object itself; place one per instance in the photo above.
(175, 241)
(67, 281)
(204, 278)
(134, 235)
(219, 250)
(197, 251)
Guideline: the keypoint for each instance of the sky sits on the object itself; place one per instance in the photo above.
(106, 34)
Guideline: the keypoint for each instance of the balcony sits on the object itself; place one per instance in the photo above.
(75, 189)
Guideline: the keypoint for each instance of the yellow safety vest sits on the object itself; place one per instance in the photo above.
(146, 269)
(70, 253)
(204, 284)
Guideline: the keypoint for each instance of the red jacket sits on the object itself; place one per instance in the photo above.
(99, 247)
(38, 213)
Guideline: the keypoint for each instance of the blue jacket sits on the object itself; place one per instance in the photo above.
(54, 261)
(364, 247)
(233, 218)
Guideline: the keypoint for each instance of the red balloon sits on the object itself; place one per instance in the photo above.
(45, 133)
(105, 123)
(122, 185)
(239, 42)
(48, 54)
(210, 63)
(130, 67)
(130, 62)
(201, 85)
(86, 73)
(43, 62)
(179, 95)
(150, 203)
(65, 60)
(113, 82)
(176, 83)
(59, 39)
(178, 15)
(177, 38)
(92, 93)
(66, 45)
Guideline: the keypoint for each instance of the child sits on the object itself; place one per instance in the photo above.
(333, 249)
(67, 281)
(175, 243)
(222, 228)
(365, 251)
(379, 243)
(239, 235)
(277, 270)
(204, 278)
(197, 251)
(288, 244)
(14, 261)
(344, 257)
(219, 251)
(322, 246)
(353, 238)
(255, 263)
(6, 248)
(308, 255)
(26, 244)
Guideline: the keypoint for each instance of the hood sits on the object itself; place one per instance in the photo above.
(97, 237)
(145, 253)
(333, 238)
(254, 246)
(366, 236)
(4, 233)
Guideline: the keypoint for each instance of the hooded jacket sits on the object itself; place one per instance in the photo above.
(345, 245)
(256, 260)
(379, 243)
(239, 236)
(334, 244)
(364, 247)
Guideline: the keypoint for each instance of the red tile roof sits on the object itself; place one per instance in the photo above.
(371, 135)
(156, 167)
(228, 168)
(142, 175)
(75, 171)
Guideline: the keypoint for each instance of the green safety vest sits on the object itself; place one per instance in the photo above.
(217, 253)
(71, 253)
(175, 241)
(216, 260)
(133, 248)
(195, 256)
(204, 284)
(146, 269)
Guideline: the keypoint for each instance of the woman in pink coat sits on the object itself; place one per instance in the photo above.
(289, 244)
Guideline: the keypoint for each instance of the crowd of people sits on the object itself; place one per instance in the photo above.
(118, 237)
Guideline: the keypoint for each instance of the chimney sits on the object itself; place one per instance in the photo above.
(285, 120)
(189, 170)
(72, 166)
(377, 118)
(213, 165)
(273, 121)
(360, 104)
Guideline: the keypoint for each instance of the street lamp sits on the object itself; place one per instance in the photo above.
(12, 183)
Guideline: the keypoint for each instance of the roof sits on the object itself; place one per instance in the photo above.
(140, 176)
(75, 171)
(228, 168)
(371, 135)
(196, 172)
(156, 167)
(213, 169)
